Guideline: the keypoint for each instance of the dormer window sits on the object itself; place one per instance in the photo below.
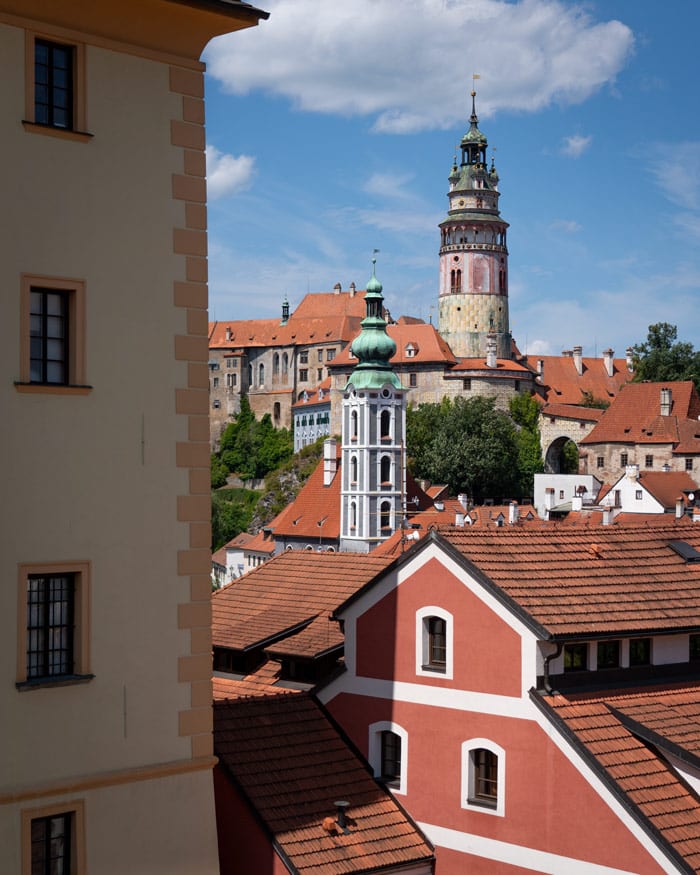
(410, 351)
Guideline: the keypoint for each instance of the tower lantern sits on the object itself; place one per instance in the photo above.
(473, 288)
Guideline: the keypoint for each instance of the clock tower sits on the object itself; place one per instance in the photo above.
(473, 296)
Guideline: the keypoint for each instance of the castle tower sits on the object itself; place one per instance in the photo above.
(473, 296)
(373, 434)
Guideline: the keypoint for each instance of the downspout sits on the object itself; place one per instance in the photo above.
(547, 686)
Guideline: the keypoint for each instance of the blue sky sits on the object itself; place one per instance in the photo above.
(331, 130)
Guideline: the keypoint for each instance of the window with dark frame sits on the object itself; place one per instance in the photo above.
(576, 657)
(437, 643)
(648, 461)
(303, 375)
(694, 648)
(51, 840)
(390, 758)
(466, 384)
(304, 357)
(623, 460)
(640, 651)
(50, 625)
(484, 783)
(53, 84)
(48, 336)
(385, 515)
(413, 380)
(608, 654)
(330, 355)
(688, 464)
(600, 461)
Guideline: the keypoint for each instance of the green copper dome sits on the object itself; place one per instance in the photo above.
(373, 346)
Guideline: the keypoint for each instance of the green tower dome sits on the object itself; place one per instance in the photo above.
(373, 347)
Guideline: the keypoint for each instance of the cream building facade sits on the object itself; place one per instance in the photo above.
(105, 700)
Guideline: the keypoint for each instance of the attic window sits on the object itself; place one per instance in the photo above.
(685, 551)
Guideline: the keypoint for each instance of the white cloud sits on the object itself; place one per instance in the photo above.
(227, 174)
(568, 226)
(364, 58)
(677, 173)
(575, 145)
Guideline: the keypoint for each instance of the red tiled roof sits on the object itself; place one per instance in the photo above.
(562, 383)
(612, 728)
(314, 502)
(634, 416)
(261, 682)
(429, 346)
(504, 367)
(572, 411)
(292, 765)
(241, 539)
(261, 543)
(219, 558)
(667, 486)
(312, 395)
(588, 581)
(286, 594)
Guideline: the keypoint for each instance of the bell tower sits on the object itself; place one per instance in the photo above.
(373, 434)
(473, 291)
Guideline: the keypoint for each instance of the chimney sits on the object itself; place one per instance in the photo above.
(540, 367)
(513, 513)
(337, 288)
(341, 806)
(567, 353)
(666, 402)
(330, 461)
(462, 499)
(577, 353)
(632, 472)
(629, 360)
(608, 356)
(679, 507)
(607, 515)
(228, 332)
(459, 520)
(491, 351)
(576, 502)
(353, 287)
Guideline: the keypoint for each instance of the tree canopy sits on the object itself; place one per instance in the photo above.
(662, 357)
(473, 447)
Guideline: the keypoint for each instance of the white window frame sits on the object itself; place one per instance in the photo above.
(468, 775)
(374, 752)
(422, 615)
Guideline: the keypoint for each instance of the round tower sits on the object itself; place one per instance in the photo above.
(473, 296)
(373, 434)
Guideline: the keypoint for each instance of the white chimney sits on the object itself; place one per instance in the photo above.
(513, 513)
(330, 461)
(607, 515)
(459, 520)
(352, 290)
(228, 332)
(578, 359)
(679, 507)
(576, 502)
(337, 288)
(666, 402)
(462, 499)
(632, 472)
(490, 351)
(628, 359)
(608, 356)
(540, 367)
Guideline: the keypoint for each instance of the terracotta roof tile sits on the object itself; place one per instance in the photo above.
(261, 682)
(429, 347)
(667, 486)
(562, 383)
(586, 581)
(634, 415)
(294, 794)
(572, 411)
(285, 594)
(612, 727)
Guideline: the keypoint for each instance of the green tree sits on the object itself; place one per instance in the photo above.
(219, 472)
(231, 513)
(663, 358)
(525, 412)
(250, 448)
(568, 461)
(473, 447)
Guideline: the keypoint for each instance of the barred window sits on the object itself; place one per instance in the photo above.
(50, 624)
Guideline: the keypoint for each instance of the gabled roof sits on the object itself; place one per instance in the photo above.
(619, 732)
(312, 395)
(563, 384)
(585, 582)
(261, 682)
(634, 416)
(283, 596)
(504, 367)
(665, 486)
(292, 764)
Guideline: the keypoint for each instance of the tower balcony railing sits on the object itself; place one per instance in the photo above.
(460, 247)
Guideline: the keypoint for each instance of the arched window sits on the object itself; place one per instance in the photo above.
(385, 515)
(353, 469)
(483, 776)
(385, 424)
(275, 365)
(388, 754)
(385, 471)
(458, 282)
(276, 413)
(285, 366)
(250, 375)
(434, 636)
(353, 515)
(353, 425)
(261, 374)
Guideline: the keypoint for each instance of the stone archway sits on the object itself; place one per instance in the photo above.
(553, 456)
